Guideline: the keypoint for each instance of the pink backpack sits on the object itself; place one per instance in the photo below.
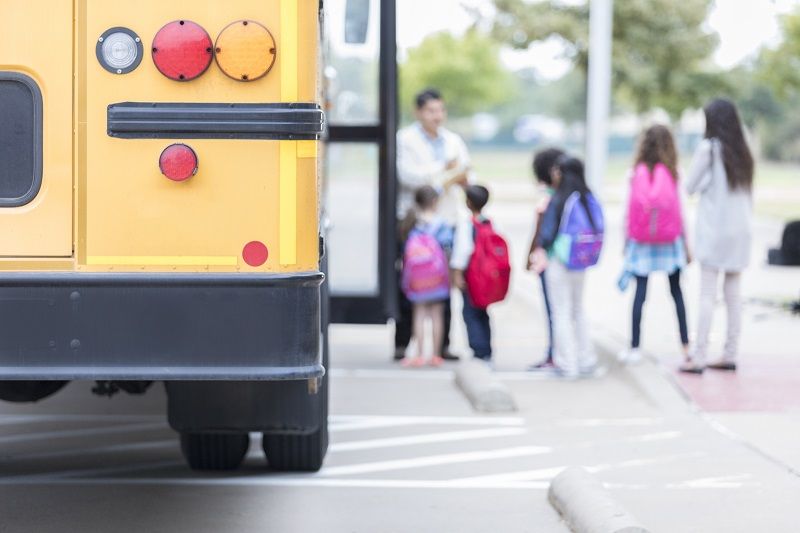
(426, 276)
(654, 210)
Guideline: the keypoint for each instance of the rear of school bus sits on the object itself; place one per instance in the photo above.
(159, 214)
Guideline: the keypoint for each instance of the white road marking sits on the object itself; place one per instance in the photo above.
(437, 375)
(735, 481)
(279, 481)
(551, 472)
(408, 373)
(609, 422)
(372, 422)
(433, 460)
(427, 438)
(85, 432)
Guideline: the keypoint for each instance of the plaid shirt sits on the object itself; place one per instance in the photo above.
(642, 259)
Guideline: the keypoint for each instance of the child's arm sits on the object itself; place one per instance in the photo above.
(458, 279)
(536, 232)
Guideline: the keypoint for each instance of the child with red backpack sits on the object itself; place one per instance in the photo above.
(425, 278)
(570, 242)
(481, 270)
(654, 230)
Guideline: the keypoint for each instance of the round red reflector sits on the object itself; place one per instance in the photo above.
(255, 253)
(178, 162)
(182, 50)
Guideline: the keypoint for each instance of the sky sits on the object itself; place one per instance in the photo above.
(744, 26)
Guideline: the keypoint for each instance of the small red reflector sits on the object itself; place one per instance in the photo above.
(182, 50)
(255, 253)
(178, 162)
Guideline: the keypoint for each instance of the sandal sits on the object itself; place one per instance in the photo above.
(436, 361)
(413, 362)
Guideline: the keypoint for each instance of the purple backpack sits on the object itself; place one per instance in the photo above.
(579, 243)
(426, 276)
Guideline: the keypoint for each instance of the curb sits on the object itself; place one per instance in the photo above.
(587, 506)
(485, 392)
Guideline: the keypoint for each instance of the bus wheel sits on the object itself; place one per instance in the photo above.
(214, 451)
(28, 391)
(296, 453)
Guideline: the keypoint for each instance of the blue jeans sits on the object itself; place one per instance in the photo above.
(479, 332)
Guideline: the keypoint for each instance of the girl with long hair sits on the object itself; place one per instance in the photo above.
(574, 354)
(722, 175)
(654, 230)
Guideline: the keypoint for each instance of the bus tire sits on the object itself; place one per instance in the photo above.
(214, 451)
(29, 391)
(296, 453)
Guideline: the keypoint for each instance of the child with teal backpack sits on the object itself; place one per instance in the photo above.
(569, 243)
(425, 276)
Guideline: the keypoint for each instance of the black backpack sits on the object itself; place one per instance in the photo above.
(789, 252)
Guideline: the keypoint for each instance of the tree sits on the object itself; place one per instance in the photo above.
(661, 50)
(779, 68)
(467, 70)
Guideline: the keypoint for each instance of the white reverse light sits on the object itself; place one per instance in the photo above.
(119, 50)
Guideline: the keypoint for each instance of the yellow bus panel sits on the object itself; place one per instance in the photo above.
(41, 227)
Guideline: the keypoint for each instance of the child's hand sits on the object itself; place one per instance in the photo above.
(538, 260)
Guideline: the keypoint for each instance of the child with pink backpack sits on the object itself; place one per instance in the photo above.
(425, 278)
(654, 231)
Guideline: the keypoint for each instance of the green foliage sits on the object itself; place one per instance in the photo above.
(660, 47)
(467, 70)
(780, 68)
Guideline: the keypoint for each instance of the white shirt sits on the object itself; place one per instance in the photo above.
(723, 227)
(463, 242)
(421, 160)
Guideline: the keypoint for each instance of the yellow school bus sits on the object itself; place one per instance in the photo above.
(159, 215)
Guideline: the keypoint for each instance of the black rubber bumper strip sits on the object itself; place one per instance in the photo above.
(160, 326)
(150, 120)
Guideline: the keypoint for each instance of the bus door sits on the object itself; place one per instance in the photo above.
(35, 131)
(361, 77)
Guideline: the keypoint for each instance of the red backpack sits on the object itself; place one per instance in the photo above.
(489, 271)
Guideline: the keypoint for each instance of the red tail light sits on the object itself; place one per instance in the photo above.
(182, 50)
(178, 162)
(255, 253)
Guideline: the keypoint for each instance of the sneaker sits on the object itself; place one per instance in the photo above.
(629, 356)
(722, 365)
(691, 368)
(450, 356)
(488, 362)
(566, 375)
(544, 366)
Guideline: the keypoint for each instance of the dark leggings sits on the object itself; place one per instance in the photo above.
(677, 296)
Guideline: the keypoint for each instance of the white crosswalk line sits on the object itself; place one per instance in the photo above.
(427, 438)
(433, 460)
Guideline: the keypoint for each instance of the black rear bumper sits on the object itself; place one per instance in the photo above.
(160, 326)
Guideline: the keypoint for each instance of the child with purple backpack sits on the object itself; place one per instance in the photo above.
(570, 242)
(425, 276)
(654, 231)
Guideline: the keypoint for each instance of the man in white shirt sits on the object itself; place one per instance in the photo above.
(429, 154)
